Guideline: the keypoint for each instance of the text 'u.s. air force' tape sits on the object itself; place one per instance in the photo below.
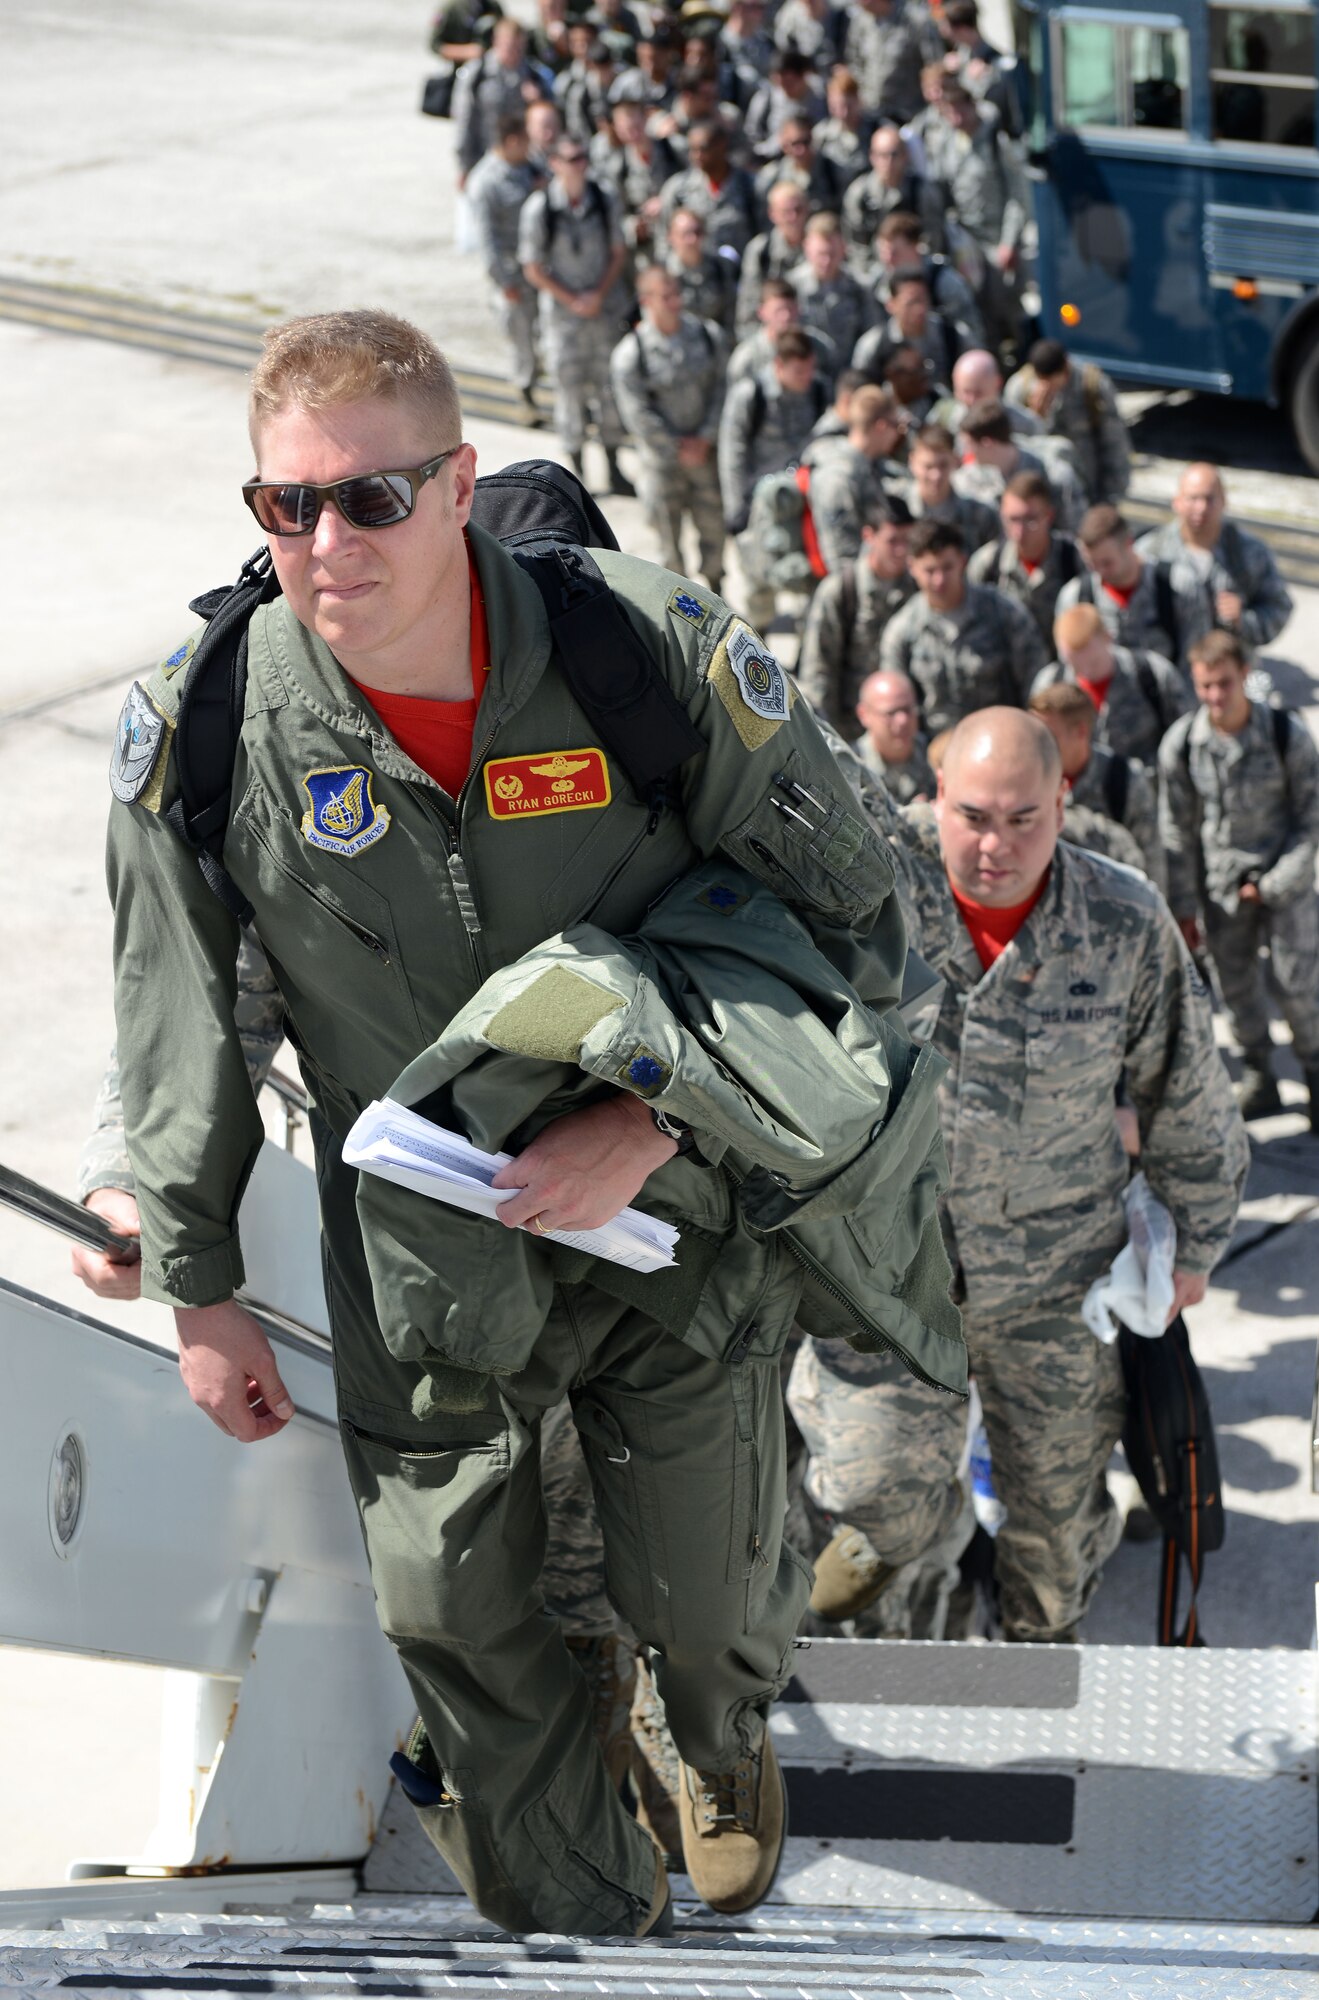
(140, 735)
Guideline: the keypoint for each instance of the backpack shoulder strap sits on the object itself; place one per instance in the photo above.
(1094, 399)
(1117, 785)
(759, 406)
(1281, 719)
(610, 673)
(1165, 599)
(849, 598)
(1149, 685)
(210, 721)
(1069, 558)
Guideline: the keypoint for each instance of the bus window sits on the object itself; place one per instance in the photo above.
(1089, 74)
(1157, 61)
(1262, 69)
(1116, 77)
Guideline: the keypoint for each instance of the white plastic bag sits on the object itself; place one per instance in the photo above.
(1138, 1289)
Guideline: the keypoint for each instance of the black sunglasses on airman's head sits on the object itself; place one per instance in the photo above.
(367, 500)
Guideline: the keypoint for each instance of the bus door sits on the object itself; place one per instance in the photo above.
(1119, 191)
(1261, 217)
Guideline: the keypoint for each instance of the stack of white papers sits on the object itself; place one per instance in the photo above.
(393, 1142)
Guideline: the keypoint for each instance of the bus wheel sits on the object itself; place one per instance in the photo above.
(1305, 401)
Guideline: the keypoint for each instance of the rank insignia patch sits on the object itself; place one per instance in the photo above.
(721, 898)
(344, 818)
(645, 1072)
(139, 735)
(548, 781)
(684, 605)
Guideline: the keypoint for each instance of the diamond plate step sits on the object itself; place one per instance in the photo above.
(438, 1946)
(1102, 1781)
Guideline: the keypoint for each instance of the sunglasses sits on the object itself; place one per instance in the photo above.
(367, 500)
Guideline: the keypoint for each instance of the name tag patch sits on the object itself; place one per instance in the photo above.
(548, 781)
(344, 818)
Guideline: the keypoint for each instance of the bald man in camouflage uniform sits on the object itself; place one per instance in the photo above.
(668, 381)
(1221, 575)
(1096, 985)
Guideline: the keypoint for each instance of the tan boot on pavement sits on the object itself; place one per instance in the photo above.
(849, 1575)
(733, 1827)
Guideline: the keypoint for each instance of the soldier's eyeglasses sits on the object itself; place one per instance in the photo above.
(367, 500)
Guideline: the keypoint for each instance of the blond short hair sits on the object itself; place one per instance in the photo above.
(1066, 701)
(1077, 625)
(324, 360)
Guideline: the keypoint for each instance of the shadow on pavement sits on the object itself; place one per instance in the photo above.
(1223, 429)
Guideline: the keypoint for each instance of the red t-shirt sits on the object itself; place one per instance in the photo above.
(992, 931)
(1120, 596)
(1097, 690)
(437, 735)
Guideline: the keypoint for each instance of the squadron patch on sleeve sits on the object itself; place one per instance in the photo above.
(140, 735)
(751, 685)
(344, 818)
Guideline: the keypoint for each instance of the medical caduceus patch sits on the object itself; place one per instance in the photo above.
(344, 818)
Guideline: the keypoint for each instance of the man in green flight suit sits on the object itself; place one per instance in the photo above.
(398, 844)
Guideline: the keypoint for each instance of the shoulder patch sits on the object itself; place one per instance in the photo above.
(751, 685)
(683, 605)
(140, 735)
(343, 818)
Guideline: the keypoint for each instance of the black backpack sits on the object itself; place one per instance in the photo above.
(548, 521)
(1169, 1443)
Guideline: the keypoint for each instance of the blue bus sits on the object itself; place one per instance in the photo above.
(1172, 148)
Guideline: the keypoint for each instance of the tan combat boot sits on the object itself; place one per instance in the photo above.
(659, 1917)
(609, 1665)
(733, 1827)
(656, 1772)
(849, 1575)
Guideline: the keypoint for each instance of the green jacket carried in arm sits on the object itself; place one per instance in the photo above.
(382, 906)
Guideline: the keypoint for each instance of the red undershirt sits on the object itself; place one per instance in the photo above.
(992, 931)
(437, 735)
(1120, 596)
(1097, 690)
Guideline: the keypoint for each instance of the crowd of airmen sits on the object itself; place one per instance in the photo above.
(747, 243)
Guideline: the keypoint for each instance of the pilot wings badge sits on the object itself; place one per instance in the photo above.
(344, 818)
(139, 734)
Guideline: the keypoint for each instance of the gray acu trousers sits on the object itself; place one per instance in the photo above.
(686, 1459)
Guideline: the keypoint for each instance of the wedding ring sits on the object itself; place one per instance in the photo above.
(539, 1226)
